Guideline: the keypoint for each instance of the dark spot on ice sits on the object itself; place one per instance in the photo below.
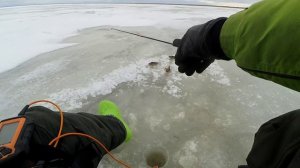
(172, 57)
(153, 64)
(168, 69)
(156, 158)
(90, 12)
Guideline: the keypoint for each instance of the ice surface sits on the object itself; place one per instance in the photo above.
(7, 3)
(224, 3)
(28, 31)
(207, 120)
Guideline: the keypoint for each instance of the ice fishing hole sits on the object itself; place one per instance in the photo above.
(156, 157)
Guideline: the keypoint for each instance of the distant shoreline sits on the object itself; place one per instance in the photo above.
(214, 5)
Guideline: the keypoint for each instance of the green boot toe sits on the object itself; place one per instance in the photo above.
(108, 108)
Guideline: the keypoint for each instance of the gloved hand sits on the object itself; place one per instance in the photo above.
(75, 152)
(199, 47)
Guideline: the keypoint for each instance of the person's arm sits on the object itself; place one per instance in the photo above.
(264, 41)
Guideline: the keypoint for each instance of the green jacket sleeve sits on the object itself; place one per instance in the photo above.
(264, 40)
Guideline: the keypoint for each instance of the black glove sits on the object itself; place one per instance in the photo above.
(71, 152)
(199, 47)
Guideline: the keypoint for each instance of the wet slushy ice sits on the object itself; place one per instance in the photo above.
(206, 121)
(208, 125)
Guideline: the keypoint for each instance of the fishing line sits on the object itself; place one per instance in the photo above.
(175, 43)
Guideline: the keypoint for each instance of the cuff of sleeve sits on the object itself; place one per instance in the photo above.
(228, 34)
(217, 28)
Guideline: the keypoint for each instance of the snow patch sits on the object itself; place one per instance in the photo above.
(225, 121)
(188, 154)
(31, 30)
(167, 127)
(137, 73)
(154, 122)
(132, 121)
(42, 71)
(235, 4)
(218, 75)
(179, 116)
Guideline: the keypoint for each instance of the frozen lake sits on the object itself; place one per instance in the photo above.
(8, 3)
(68, 54)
